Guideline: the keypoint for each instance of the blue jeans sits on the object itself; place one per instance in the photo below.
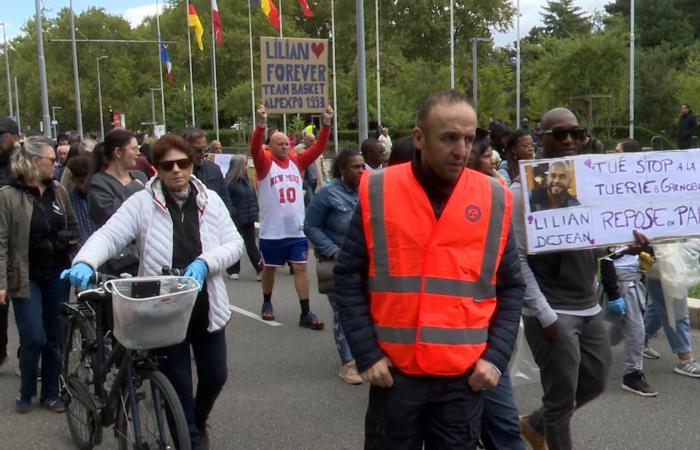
(340, 342)
(210, 358)
(500, 427)
(39, 325)
(656, 317)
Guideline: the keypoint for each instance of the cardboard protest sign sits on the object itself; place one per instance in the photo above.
(294, 74)
(597, 200)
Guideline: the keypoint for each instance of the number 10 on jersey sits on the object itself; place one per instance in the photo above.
(288, 195)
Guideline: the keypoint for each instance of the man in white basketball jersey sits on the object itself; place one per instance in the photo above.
(281, 199)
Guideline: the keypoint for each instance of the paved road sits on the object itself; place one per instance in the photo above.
(283, 393)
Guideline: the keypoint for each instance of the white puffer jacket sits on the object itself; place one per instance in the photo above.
(145, 218)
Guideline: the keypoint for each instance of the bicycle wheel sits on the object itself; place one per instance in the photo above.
(76, 377)
(161, 420)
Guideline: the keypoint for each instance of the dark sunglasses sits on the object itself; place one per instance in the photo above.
(167, 166)
(560, 134)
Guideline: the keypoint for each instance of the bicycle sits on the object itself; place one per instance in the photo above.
(122, 386)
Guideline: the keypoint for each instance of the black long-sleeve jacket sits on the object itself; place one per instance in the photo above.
(351, 287)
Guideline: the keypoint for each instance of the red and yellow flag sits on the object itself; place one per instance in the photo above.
(270, 10)
(305, 7)
(193, 21)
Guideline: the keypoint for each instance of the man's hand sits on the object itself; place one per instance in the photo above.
(379, 374)
(642, 243)
(550, 332)
(617, 306)
(485, 376)
(3, 297)
(261, 114)
(328, 116)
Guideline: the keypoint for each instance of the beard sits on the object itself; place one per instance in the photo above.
(5, 157)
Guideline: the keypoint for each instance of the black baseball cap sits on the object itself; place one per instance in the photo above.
(7, 125)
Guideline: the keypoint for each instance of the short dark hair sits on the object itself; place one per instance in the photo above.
(171, 142)
(441, 98)
(630, 146)
(79, 166)
(367, 145)
(62, 136)
(192, 134)
(341, 161)
(402, 151)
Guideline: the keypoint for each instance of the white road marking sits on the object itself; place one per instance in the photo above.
(257, 317)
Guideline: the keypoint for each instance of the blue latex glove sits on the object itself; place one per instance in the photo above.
(617, 306)
(80, 275)
(198, 270)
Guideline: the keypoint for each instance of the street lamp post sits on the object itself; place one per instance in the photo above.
(475, 75)
(7, 71)
(53, 120)
(99, 97)
(153, 109)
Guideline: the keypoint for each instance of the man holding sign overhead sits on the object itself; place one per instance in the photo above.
(281, 198)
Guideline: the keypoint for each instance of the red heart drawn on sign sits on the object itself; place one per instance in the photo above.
(317, 48)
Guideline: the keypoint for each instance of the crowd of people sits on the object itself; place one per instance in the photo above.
(419, 245)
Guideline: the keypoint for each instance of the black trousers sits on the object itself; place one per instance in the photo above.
(247, 232)
(438, 412)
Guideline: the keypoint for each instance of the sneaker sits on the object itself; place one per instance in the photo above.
(688, 367)
(310, 321)
(233, 276)
(349, 374)
(650, 353)
(636, 383)
(23, 406)
(55, 405)
(531, 436)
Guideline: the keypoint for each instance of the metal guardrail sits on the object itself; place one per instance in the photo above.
(657, 143)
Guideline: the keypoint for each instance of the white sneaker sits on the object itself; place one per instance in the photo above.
(650, 353)
(349, 374)
(233, 276)
(688, 367)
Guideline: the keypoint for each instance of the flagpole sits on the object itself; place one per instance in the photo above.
(160, 64)
(284, 116)
(452, 44)
(213, 74)
(517, 69)
(335, 91)
(379, 83)
(252, 74)
(189, 54)
(76, 78)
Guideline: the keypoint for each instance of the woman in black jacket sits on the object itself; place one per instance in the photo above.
(244, 211)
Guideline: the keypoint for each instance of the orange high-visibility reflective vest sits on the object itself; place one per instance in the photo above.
(432, 282)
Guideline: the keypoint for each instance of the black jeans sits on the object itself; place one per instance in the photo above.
(247, 232)
(440, 412)
(210, 358)
(4, 312)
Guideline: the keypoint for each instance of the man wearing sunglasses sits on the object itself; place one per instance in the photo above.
(206, 171)
(563, 321)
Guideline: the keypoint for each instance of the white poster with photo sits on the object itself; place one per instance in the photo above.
(222, 160)
(598, 200)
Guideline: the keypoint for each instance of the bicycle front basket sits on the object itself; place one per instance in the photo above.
(151, 322)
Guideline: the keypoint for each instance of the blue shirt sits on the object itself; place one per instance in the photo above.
(328, 217)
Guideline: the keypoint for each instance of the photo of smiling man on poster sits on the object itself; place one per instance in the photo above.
(555, 193)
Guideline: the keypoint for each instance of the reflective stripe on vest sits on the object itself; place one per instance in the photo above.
(432, 335)
(383, 281)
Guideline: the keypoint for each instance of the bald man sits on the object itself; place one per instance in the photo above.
(562, 316)
(555, 193)
(281, 199)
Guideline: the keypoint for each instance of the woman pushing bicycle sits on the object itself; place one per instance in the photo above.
(177, 222)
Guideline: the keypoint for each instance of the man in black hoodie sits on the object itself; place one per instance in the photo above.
(424, 333)
(687, 126)
(8, 139)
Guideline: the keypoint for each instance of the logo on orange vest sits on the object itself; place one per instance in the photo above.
(472, 213)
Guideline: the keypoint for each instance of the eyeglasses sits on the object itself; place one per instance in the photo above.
(577, 134)
(182, 164)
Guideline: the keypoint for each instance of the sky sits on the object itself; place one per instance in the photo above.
(136, 10)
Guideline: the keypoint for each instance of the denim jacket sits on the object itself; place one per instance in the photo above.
(328, 216)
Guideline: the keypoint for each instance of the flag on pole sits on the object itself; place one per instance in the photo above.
(216, 20)
(270, 10)
(305, 7)
(193, 20)
(166, 60)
